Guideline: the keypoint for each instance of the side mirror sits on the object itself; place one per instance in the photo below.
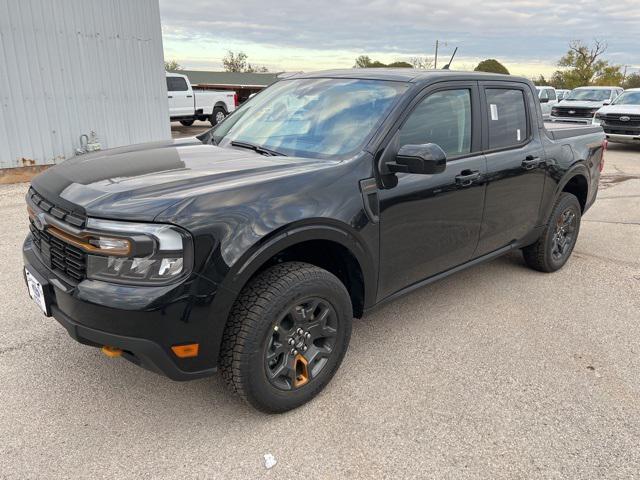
(425, 159)
(606, 102)
(544, 100)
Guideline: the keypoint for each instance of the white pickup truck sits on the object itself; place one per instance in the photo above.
(187, 105)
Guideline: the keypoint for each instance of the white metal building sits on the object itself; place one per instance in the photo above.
(69, 67)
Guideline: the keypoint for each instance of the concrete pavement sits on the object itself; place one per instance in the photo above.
(496, 372)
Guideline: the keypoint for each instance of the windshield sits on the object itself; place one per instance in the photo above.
(315, 117)
(628, 98)
(589, 94)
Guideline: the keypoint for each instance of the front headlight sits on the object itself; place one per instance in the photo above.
(554, 111)
(597, 119)
(138, 253)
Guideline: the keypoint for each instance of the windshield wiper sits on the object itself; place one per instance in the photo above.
(257, 148)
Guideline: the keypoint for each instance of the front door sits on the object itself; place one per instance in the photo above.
(430, 223)
(180, 97)
(515, 167)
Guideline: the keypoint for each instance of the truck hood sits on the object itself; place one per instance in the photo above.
(140, 181)
(578, 104)
(620, 109)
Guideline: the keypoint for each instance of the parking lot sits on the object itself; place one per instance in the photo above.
(496, 372)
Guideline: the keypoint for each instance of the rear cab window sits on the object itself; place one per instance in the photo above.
(508, 121)
(177, 84)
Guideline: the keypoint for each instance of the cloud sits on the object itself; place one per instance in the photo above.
(274, 31)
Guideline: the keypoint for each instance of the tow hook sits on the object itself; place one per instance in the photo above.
(111, 352)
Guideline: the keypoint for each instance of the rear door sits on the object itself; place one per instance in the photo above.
(515, 167)
(431, 223)
(180, 97)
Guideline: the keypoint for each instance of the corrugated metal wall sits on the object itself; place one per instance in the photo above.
(71, 66)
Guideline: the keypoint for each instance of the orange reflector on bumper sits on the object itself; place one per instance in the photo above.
(186, 351)
(111, 351)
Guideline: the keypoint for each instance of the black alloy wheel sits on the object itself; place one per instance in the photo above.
(563, 237)
(301, 344)
(286, 336)
(555, 244)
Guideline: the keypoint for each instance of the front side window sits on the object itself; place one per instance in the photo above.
(328, 118)
(507, 117)
(628, 98)
(443, 118)
(543, 94)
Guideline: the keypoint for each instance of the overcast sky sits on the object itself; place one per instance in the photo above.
(283, 35)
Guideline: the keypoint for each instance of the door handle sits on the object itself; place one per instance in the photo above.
(189, 96)
(170, 96)
(530, 162)
(467, 177)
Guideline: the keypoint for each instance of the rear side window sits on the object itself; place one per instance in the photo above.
(176, 84)
(443, 118)
(507, 117)
(552, 94)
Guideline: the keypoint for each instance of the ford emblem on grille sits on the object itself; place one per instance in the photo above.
(624, 118)
(39, 221)
(571, 112)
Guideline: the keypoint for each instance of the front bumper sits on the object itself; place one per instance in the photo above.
(144, 335)
(618, 138)
(579, 121)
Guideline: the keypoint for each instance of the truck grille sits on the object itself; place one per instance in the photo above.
(55, 253)
(614, 119)
(577, 112)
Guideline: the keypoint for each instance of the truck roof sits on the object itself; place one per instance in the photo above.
(407, 75)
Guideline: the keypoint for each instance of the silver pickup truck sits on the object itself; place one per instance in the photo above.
(621, 120)
(582, 103)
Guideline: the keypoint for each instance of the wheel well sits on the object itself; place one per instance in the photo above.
(332, 257)
(579, 187)
(221, 105)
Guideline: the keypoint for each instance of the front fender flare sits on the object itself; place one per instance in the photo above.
(247, 265)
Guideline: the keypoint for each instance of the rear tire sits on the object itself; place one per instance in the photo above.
(552, 250)
(187, 123)
(217, 116)
(289, 307)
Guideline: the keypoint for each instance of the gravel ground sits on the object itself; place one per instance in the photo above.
(496, 372)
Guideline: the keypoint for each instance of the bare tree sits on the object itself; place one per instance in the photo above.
(424, 63)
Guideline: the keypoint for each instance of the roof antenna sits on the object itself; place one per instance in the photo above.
(446, 67)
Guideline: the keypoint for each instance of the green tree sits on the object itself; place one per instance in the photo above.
(233, 62)
(399, 64)
(491, 65)
(609, 75)
(364, 61)
(172, 66)
(541, 81)
(583, 65)
(632, 81)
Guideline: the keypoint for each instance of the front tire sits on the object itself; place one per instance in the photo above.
(187, 123)
(554, 247)
(286, 336)
(217, 116)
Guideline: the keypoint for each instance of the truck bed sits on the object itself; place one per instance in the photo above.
(560, 131)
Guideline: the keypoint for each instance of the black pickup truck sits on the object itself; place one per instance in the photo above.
(251, 248)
